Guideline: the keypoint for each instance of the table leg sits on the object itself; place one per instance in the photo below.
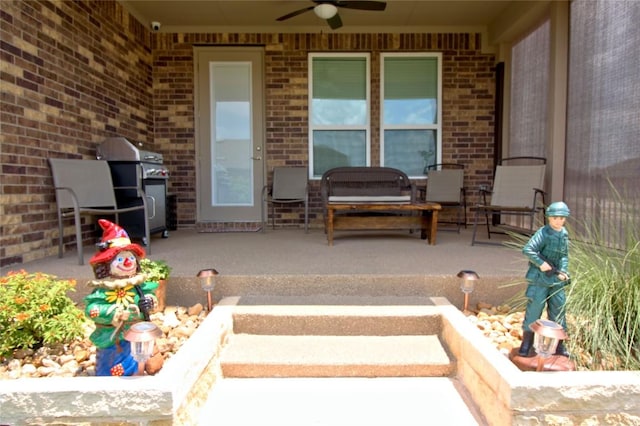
(330, 225)
(434, 227)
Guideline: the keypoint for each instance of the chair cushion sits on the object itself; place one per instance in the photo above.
(366, 199)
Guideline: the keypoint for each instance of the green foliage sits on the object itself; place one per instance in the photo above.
(604, 300)
(155, 270)
(603, 308)
(35, 310)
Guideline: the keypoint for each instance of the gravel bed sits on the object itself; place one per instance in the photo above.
(78, 358)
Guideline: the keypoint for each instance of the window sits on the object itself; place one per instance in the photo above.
(411, 136)
(339, 111)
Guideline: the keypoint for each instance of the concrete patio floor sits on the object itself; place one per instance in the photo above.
(291, 251)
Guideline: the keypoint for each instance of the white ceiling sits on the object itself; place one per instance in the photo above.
(260, 16)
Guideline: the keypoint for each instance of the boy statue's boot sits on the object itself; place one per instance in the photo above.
(527, 341)
(561, 350)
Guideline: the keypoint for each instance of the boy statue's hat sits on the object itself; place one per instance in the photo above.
(114, 240)
(558, 209)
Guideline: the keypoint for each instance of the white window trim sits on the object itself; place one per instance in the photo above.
(366, 127)
(437, 127)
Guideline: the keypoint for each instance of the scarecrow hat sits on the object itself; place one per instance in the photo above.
(114, 240)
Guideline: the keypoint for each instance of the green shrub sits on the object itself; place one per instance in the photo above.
(155, 270)
(603, 299)
(35, 310)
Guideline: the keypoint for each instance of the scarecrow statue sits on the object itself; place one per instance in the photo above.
(548, 254)
(120, 298)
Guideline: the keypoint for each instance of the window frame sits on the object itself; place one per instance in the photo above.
(437, 126)
(366, 127)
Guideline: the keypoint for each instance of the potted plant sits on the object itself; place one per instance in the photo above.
(159, 271)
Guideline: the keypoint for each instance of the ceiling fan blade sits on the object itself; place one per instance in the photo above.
(296, 13)
(335, 22)
(362, 5)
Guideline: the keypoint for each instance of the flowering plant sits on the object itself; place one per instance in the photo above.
(35, 310)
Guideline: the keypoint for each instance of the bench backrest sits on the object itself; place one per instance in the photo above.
(366, 181)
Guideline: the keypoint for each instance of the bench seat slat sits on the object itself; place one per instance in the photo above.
(368, 199)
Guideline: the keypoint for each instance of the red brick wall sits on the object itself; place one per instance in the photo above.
(77, 72)
(73, 73)
(468, 100)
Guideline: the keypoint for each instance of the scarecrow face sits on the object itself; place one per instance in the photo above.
(125, 264)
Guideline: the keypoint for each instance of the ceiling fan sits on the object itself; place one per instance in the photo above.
(328, 9)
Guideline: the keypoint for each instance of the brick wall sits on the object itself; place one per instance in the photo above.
(468, 100)
(74, 73)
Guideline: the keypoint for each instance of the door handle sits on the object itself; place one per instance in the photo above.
(256, 158)
(153, 204)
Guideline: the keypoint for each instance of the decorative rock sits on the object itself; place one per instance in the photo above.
(48, 362)
(195, 309)
(81, 355)
(28, 369)
(14, 364)
(45, 371)
(64, 359)
(184, 331)
(171, 320)
(483, 325)
(22, 353)
(70, 367)
(503, 309)
(79, 358)
(483, 305)
(504, 330)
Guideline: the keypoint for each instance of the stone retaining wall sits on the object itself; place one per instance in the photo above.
(172, 397)
(504, 394)
(508, 396)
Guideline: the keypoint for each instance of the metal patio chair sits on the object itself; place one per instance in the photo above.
(289, 186)
(517, 194)
(85, 187)
(445, 186)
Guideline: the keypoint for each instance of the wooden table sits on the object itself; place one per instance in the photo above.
(427, 220)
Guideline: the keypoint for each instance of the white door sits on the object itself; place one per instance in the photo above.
(230, 133)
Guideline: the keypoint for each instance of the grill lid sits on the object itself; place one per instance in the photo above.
(120, 149)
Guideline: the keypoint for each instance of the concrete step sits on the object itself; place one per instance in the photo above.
(252, 355)
(337, 316)
(339, 401)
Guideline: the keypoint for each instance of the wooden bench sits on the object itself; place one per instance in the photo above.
(360, 198)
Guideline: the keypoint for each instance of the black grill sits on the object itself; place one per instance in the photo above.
(131, 166)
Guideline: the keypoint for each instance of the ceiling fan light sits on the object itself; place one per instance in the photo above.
(325, 10)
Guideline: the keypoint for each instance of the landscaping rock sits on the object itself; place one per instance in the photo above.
(79, 358)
